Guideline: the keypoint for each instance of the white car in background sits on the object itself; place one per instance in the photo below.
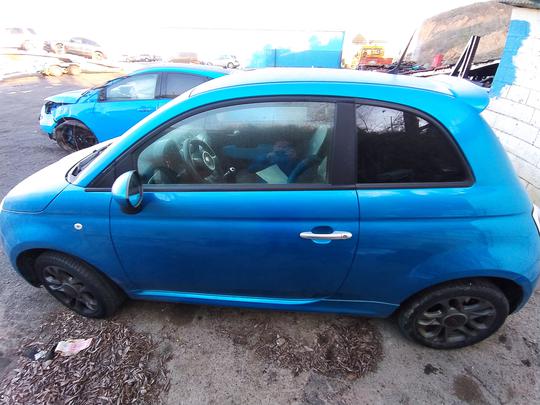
(226, 61)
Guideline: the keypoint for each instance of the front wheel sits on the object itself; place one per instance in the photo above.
(454, 315)
(77, 286)
(73, 135)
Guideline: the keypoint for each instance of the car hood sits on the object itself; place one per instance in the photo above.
(68, 97)
(36, 192)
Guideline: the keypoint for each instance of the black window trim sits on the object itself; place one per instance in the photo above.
(341, 176)
(161, 94)
(468, 182)
(156, 89)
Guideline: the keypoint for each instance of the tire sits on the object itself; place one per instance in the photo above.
(97, 56)
(78, 286)
(73, 135)
(454, 315)
(59, 48)
(74, 70)
(230, 65)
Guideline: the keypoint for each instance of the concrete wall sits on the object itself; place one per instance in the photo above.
(514, 110)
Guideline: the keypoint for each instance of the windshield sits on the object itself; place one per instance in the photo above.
(103, 85)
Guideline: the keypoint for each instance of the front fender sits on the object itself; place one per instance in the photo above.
(54, 229)
(76, 112)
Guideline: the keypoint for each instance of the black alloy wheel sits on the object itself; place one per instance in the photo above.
(454, 315)
(69, 290)
(78, 286)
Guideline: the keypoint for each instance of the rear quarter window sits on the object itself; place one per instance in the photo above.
(397, 146)
(178, 83)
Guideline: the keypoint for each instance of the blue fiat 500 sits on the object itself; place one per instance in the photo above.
(81, 118)
(297, 189)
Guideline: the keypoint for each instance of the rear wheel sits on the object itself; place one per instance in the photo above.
(230, 65)
(77, 286)
(73, 135)
(59, 48)
(97, 55)
(454, 315)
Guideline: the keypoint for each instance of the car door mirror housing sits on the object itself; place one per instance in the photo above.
(127, 191)
(102, 95)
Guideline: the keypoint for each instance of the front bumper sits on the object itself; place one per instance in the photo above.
(46, 122)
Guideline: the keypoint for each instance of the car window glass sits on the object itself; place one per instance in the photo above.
(258, 143)
(397, 146)
(178, 83)
(140, 87)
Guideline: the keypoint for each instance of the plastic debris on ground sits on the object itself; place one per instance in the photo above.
(74, 360)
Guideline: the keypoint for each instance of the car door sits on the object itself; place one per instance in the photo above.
(260, 212)
(175, 83)
(124, 103)
(74, 46)
(414, 193)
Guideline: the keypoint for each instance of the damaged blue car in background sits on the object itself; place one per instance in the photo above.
(81, 118)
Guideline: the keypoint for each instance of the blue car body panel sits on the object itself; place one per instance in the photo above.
(107, 118)
(242, 247)
(249, 227)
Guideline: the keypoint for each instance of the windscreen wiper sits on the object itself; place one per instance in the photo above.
(86, 161)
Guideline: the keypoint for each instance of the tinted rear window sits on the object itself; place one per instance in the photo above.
(178, 83)
(397, 146)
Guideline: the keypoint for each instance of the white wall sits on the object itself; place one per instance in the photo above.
(514, 110)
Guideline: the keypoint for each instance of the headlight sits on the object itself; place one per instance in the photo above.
(536, 217)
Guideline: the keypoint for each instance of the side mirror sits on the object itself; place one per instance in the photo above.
(127, 191)
(102, 95)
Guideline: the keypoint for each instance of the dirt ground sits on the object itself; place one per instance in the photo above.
(229, 356)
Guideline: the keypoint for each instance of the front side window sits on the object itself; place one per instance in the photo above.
(397, 146)
(178, 83)
(257, 143)
(140, 87)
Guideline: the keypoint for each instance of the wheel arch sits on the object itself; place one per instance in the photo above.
(513, 292)
(68, 118)
(26, 260)
(76, 122)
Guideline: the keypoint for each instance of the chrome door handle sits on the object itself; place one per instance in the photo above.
(336, 235)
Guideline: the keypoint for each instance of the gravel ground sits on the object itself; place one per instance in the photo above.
(222, 355)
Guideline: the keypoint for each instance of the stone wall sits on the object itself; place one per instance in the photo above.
(514, 109)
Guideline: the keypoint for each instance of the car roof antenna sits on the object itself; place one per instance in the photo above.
(395, 69)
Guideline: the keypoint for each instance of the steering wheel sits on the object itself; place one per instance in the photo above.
(200, 159)
(302, 166)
